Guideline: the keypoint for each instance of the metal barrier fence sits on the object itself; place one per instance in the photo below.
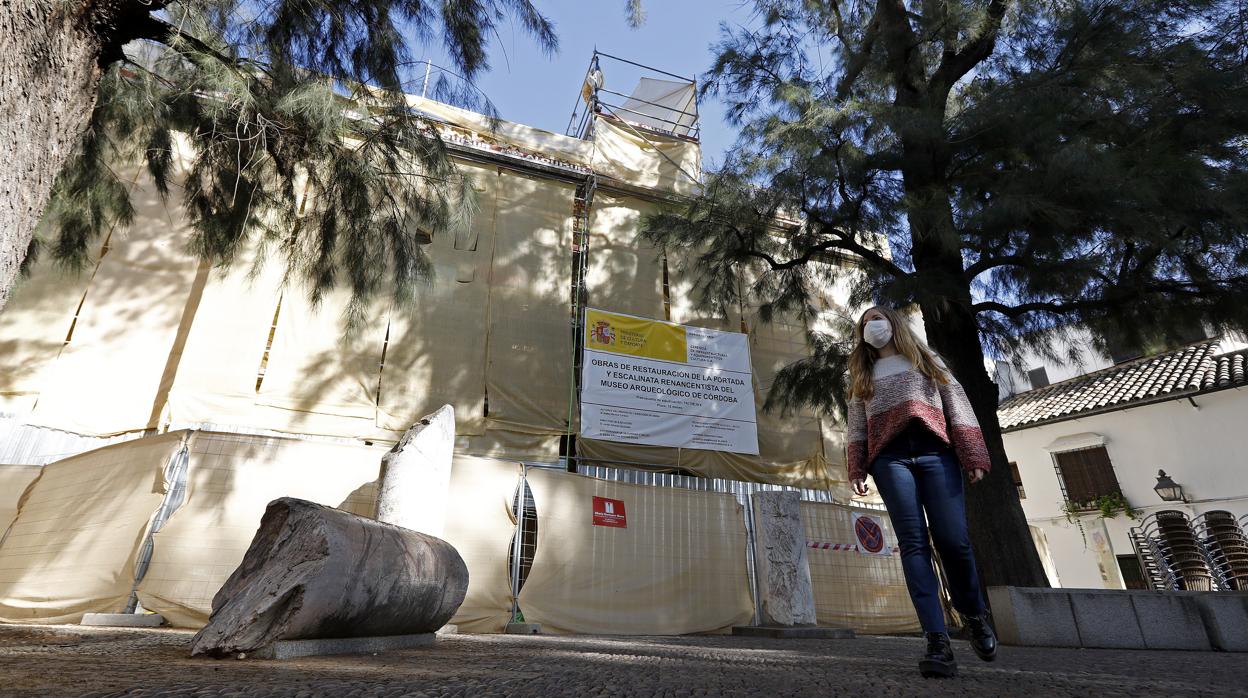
(525, 514)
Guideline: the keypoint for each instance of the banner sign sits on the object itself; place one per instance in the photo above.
(869, 531)
(662, 384)
(610, 512)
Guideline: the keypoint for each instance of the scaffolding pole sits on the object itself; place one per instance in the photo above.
(582, 205)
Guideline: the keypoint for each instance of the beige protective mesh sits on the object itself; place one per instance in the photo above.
(616, 454)
(108, 378)
(33, 327)
(863, 592)
(684, 306)
(678, 567)
(436, 354)
(530, 338)
(624, 275)
(319, 379)
(216, 377)
(231, 478)
(646, 159)
(13, 482)
(511, 445)
(810, 474)
(787, 440)
(481, 495)
(72, 548)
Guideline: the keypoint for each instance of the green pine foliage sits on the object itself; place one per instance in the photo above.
(300, 136)
(1033, 166)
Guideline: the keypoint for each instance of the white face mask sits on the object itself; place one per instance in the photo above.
(877, 333)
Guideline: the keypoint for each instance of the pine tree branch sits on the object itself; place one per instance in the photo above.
(856, 58)
(162, 32)
(954, 65)
(1115, 298)
(899, 43)
(841, 241)
(845, 241)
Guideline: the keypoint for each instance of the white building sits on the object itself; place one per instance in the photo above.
(1107, 433)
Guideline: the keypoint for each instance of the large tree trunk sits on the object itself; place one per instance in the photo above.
(999, 533)
(50, 51)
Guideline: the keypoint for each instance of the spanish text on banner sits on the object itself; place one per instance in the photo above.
(660, 384)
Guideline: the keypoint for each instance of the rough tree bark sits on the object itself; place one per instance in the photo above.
(999, 532)
(51, 56)
(998, 527)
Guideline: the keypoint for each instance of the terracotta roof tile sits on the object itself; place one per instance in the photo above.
(1185, 371)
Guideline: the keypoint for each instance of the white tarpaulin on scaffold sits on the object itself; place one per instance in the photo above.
(661, 384)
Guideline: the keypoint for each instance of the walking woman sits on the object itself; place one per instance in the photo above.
(912, 429)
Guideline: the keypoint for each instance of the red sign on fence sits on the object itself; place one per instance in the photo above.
(609, 512)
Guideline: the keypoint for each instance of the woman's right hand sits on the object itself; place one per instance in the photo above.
(860, 487)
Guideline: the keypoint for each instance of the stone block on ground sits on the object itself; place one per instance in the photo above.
(1169, 621)
(1105, 620)
(523, 629)
(416, 475)
(291, 649)
(123, 620)
(786, 595)
(313, 572)
(1033, 616)
(1225, 614)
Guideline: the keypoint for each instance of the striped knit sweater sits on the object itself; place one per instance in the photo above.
(901, 394)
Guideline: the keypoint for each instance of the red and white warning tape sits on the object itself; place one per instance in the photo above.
(818, 545)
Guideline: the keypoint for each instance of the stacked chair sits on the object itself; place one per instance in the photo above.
(1226, 548)
(1152, 561)
(1171, 554)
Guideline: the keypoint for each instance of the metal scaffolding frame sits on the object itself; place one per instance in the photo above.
(580, 123)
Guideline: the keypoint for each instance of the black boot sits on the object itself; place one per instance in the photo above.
(938, 661)
(983, 639)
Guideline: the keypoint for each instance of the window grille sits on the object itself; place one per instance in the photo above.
(1086, 475)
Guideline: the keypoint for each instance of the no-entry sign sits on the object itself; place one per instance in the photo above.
(609, 512)
(870, 535)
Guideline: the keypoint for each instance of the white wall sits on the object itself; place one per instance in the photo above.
(1011, 376)
(1203, 449)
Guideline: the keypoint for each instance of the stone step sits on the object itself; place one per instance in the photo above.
(1121, 618)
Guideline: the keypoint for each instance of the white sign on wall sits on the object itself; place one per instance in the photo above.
(661, 384)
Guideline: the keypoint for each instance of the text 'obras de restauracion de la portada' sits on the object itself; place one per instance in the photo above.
(657, 383)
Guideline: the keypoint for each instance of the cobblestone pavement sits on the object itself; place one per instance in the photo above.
(72, 660)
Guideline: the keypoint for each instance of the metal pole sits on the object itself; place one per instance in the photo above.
(425, 88)
(642, 65)
(516, 549)
(752, 569)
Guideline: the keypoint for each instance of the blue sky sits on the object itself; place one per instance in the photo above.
(538, 90)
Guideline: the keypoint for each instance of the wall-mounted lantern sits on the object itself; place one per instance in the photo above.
(1168, 489)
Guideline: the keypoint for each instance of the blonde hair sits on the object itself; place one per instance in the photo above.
(862, 359)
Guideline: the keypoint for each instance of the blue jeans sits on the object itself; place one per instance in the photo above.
(913, 481)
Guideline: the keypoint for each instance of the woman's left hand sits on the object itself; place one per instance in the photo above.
(977, 474)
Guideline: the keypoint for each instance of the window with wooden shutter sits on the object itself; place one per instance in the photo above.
(1086, 474)
(1018, 480)
(1132, 574)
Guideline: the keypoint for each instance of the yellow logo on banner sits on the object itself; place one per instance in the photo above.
(625, 334)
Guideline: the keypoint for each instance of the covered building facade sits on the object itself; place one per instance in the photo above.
(148, 339)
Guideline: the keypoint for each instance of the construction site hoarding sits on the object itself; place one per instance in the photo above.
(657, 383)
